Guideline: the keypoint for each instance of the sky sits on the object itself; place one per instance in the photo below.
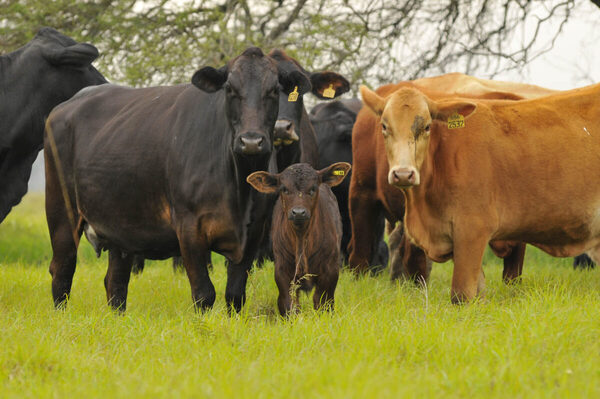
(574, 61)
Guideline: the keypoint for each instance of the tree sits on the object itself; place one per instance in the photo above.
(374, 41)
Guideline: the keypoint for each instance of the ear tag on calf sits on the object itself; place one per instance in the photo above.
(456, 121)
(293, 97)
(277, 142)
(329, 92)
(287, 142)
(339, 172)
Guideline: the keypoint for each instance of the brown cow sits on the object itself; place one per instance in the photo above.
(306, 231)
(476, 171)
(370, 193)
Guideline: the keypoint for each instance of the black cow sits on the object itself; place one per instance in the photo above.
(161, 171)
(333, 123)
(48, 70)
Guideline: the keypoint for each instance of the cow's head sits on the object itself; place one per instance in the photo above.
(64, 65)
(333, 124)
(406, 124)
(324, 85)
(252, 83)
(298, 189)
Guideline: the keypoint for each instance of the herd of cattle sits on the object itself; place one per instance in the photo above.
(233, 163)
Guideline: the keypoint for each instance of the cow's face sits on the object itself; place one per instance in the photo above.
(252, 83)
(324, 85)
(406, 124)
(298, 188)
(62, 63)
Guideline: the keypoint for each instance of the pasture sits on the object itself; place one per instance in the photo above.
(539, 338)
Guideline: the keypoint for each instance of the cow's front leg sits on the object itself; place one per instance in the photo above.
(237, 277)
(513, 263)
(196, 255)
(468, 280)
(117, 277)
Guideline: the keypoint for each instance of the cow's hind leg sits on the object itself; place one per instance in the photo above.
(513, 264)
(64, 233)
(467, 279)
(117, 277)
(363, 211)
(323, 298)
(195, 256)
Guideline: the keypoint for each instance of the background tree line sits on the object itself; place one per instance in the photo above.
(374, 41)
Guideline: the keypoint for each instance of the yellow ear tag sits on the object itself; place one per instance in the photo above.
(339, 172)
(456, 121)
(329, 92)
(293, 97)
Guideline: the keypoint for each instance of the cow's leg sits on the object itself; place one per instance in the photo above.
(138, 264)
(237, 277)
(116, 280)
(178, 264)
(513, 263)
(363, 211)
(64, 234)
(283, 279)
(323, 298)
(583, 261)
(408, 260)
(468, 280)
(195, 256)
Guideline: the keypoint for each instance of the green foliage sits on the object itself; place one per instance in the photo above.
(535, 339)
(145, 42)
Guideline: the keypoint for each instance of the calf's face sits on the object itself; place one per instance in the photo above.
(298, 189)
(406, 124)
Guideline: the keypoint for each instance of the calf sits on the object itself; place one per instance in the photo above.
(306, 231)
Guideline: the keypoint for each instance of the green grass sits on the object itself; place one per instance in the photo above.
(537, 339)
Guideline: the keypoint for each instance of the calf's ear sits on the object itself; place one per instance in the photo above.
(264, 182)
(334, 174)
(372, 100)
(327, 85)
(209, 79)
(80, 54)
(442, 110)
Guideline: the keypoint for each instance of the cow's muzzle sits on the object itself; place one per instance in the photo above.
(285, 132)
(252, 143)
(299, 216)
(404, 176)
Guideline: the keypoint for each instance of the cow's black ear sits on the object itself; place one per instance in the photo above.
(334, 174)
(328, 85)
(209, 79)
(80, 54)
(264, 182)
(290, 80)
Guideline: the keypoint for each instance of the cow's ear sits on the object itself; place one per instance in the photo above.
(328, 85)
(443, 110)
(264, 182)
(334, 174)
(294, 80)
(372, 100)
(80, 54)
(209, 79)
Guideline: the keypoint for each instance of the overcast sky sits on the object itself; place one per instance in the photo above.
(574, 61)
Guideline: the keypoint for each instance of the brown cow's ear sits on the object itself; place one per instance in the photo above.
(328, 85)
(264, 182)
(443, 110)
(209, 79)
(334, 174)
(372, 100)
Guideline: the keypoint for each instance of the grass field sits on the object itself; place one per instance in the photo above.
(540, 338)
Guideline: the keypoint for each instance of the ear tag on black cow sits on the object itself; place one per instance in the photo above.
(293, 97)
(339, 172)
(456, 121)
(329, 92)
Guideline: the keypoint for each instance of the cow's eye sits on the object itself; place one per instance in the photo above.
(312, 191)
(285, 191)
(428, 128)
(274, 92)
(384, 129)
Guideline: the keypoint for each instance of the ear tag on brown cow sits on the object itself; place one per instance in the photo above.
(456, 121)
(329, 92)
(338, 172)
(293, 97)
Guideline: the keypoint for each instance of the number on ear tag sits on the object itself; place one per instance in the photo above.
(293, 97)
(456, 121)
(338, 172)
(329, 92)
